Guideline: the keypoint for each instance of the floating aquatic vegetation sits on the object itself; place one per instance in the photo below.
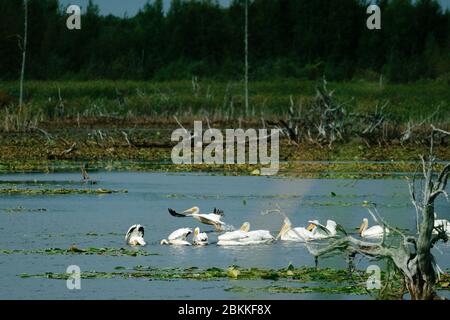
(305, 274)
(44, 183)
(345, 289)
(287, 280)
(63, 191)
(21, 209)
(444, 283)
(79, 251)
(120, 268)
(96, 234)
(192, 196)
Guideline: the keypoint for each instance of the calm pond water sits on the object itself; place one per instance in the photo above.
(102, 220)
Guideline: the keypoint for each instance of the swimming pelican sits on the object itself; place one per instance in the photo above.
(243, 237)
(300, 234)
(242, 232)
(212, 219)
(200, 238)
(372, 232)
(320, 231)
(178, 238)
(441, 223)
(135, 235)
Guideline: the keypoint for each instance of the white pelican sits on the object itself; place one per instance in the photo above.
(200, 238)
(320, 231)
(178, 238)
(300, 234)
(372, 232)
(243, 237)
(441, 223)
(213, 219)
(135, 235)
(242, 232)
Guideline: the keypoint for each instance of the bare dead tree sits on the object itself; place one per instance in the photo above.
(291, 126)
(246, 59)
(371, 125)
(67, 151)
(125, 135)
(24, 51)
(408, 133)
(410, 254)
(325, 122)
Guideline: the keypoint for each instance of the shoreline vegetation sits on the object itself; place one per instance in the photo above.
(109, 103)
(127, 125)
(308, 170)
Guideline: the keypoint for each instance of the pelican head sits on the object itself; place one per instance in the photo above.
(245, 227)
(164, 242)
(364, 226)
(192, 210)
(284, 228)
(196, 231)
(312, 225)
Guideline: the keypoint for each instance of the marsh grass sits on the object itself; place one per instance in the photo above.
(20, 119)
(222, 100)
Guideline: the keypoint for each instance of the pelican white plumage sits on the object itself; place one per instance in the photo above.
(135, 235)
(372, 232)
(178, 238)
(213, 219)
(314, 231)
(244, 237)
(319, 231)
(441, 223)
(200, 238)
(237, 234)
(299, 234)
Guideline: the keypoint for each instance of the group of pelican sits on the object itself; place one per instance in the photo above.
(314, 231)
(317, 231)
(243, 236)
(179, 238)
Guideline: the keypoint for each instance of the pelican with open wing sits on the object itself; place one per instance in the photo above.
(212, 219)
(135, 235)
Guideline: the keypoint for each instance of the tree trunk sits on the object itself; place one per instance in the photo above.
(24, 51)
(246, 60)
(422, 288)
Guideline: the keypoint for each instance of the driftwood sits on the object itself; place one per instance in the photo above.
(67, 151)
(411, 255)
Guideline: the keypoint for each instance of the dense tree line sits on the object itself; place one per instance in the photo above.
(288, 38)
